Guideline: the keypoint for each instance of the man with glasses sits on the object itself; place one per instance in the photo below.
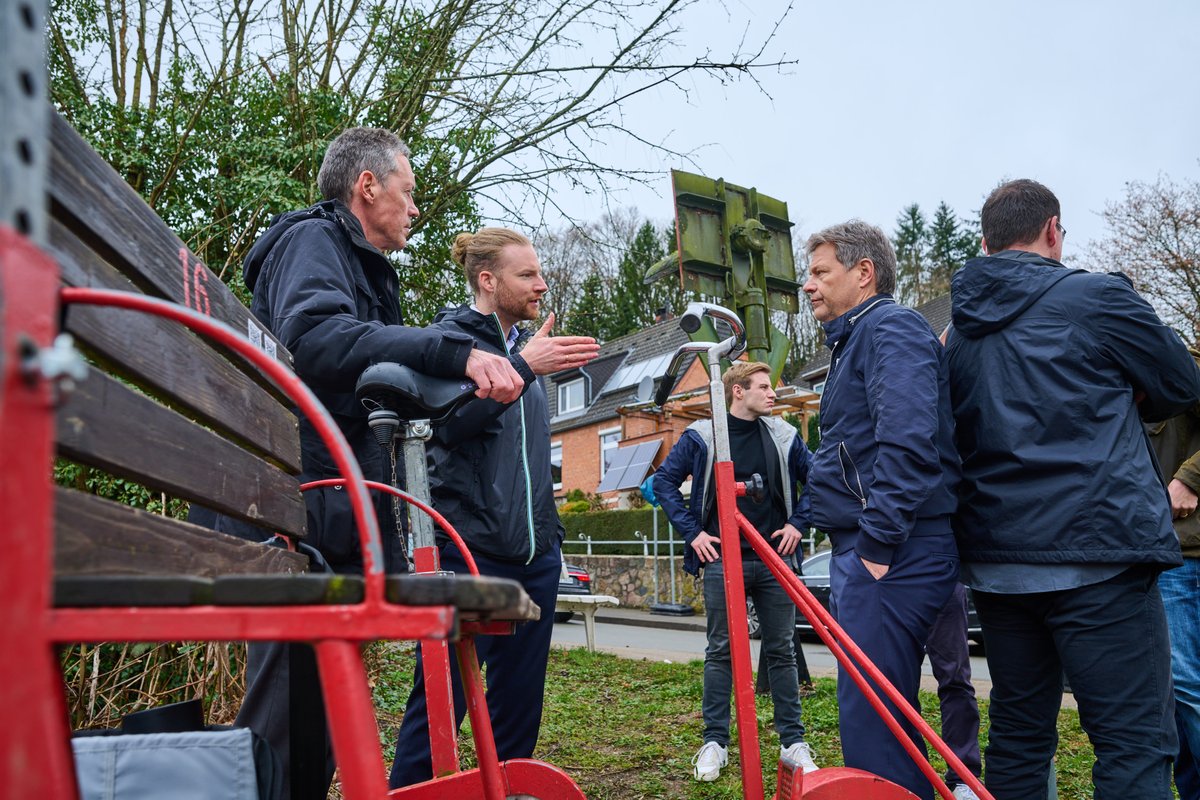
(1061, 535)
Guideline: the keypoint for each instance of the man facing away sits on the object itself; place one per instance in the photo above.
(490, 477)
(324, 287)
(770, 447)
(882, 481)
(1062, 523)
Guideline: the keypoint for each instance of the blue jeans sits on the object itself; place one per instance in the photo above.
(1180, 588)
(1110, 639)
(777, 620)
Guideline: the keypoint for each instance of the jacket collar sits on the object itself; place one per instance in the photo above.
(840, 328)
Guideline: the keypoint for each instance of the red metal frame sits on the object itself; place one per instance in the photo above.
(37, 761)
(826, 784)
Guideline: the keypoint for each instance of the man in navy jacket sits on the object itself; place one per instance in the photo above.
(767, 446)
(1064, 522)
(883, 480)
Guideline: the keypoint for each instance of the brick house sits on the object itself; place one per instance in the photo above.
(597, 422)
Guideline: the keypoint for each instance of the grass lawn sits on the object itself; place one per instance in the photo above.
(627, 729)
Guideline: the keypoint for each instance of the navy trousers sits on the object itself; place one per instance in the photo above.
(1110, 638)
(890, 620)
(515, 670)
(950, 660)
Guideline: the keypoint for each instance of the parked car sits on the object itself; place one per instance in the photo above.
(572, 580)
(814, 572)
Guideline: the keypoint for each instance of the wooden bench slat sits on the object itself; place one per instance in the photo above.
(98, 591)
(485, 596)
(94, 536)
(227, 394)
(284, 590)
(104, 424)
(94, 201)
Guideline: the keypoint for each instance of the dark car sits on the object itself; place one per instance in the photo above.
(572, 580)
(814, 572)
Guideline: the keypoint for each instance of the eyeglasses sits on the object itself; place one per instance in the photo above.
(1061, 230)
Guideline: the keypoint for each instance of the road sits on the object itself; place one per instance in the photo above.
(682, 646)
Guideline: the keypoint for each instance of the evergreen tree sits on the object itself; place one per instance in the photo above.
(631, 301)
(911, 241)
(945, 257)
(590, 314)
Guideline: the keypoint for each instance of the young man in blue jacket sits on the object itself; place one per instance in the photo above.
(1064, 522)
(489, 474)
(768, 446)
(883, 481)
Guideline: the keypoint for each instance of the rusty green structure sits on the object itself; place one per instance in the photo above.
(734, 245)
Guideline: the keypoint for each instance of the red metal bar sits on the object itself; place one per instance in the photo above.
(847, 653)
(296, 391)
(439, 705)
(351, 716)
(442, 522)
(739, 633)
(35, 753)
(252, 623)
(481, 722)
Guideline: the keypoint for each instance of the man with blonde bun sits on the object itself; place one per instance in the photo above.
(490, 476)
(767, 446)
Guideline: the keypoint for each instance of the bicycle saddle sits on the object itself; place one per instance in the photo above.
(410, 394)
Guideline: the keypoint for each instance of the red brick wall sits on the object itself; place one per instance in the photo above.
(581, 446)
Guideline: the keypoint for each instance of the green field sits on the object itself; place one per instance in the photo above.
(627, 729)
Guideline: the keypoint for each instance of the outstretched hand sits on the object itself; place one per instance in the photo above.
(495, 377)
(546, 354)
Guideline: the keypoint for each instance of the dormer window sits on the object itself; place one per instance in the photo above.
(570, 396)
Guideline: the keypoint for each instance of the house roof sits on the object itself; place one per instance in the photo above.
(936, 311)
(603, 392)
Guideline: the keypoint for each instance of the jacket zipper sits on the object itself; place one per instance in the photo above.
(524, 455)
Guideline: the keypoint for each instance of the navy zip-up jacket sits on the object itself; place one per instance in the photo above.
(1049, 369)
(489, 464)
(886, 468)
(693, 455)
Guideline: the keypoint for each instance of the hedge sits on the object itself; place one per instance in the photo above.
(610, 525)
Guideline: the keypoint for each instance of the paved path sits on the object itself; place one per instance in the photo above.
(634, 633)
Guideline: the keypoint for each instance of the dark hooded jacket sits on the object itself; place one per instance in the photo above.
(333, 300)
(886, 468)
(1049, 369)
(489, 465)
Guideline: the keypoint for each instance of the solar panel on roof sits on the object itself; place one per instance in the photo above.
(631, 470)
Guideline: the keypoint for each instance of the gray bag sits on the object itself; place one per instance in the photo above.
(192, 765)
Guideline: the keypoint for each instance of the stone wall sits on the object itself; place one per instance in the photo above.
(630, 579)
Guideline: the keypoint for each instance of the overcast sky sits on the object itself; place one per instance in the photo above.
(920, 101)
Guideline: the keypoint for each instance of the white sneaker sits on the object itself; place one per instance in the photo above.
(708, 761)
(799, 753)
(964, 792)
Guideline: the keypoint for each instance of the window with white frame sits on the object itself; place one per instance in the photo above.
(556, 464)
(609, 439)
(570, 396)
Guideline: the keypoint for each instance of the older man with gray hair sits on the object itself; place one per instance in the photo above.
(883, 481)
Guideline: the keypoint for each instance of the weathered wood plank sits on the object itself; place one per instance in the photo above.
(223, 390)
(104, 424)
(90, 198)
(93, 536)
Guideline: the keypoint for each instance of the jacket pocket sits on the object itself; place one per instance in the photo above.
(850, 475)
